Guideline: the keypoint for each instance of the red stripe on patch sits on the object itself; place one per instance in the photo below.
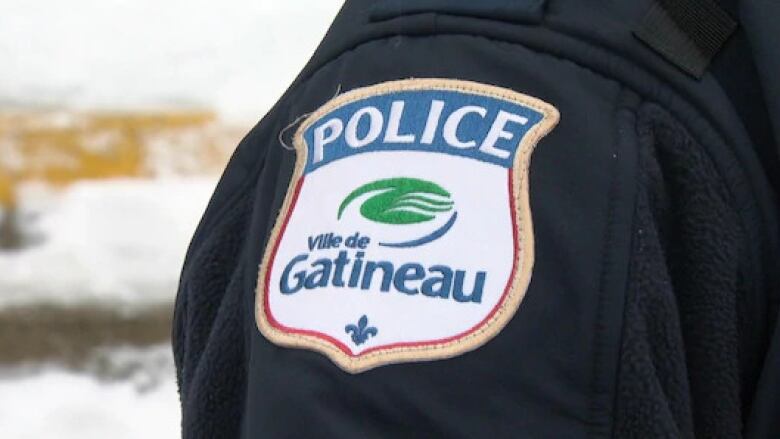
(344, 348)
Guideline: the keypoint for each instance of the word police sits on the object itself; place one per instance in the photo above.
(422, 124)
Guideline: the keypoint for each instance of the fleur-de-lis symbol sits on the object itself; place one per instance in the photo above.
(361, 332)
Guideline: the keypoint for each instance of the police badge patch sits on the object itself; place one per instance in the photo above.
(406, 231)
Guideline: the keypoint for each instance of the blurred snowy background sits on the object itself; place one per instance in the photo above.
(116, 118)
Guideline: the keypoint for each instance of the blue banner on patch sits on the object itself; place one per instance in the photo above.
(459, 123)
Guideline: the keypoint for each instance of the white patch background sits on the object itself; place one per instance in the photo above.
(480, 240)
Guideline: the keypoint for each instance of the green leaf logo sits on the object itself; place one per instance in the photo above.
(400, 201)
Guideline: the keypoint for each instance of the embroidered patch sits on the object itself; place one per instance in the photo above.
(406, 231)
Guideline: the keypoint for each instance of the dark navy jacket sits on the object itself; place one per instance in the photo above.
(652, 308)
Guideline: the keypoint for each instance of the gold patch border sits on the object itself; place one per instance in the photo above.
(525, 236)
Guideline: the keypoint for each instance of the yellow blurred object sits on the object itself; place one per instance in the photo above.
(63, 147)
(7, 194)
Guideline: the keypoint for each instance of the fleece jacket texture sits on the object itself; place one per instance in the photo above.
(652, 310)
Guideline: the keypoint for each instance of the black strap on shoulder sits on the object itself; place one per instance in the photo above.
(688, 33)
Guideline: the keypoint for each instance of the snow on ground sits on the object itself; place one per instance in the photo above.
(109, 242)
(63, 405)
(234, 56)
(122, 242)
(58, 404)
